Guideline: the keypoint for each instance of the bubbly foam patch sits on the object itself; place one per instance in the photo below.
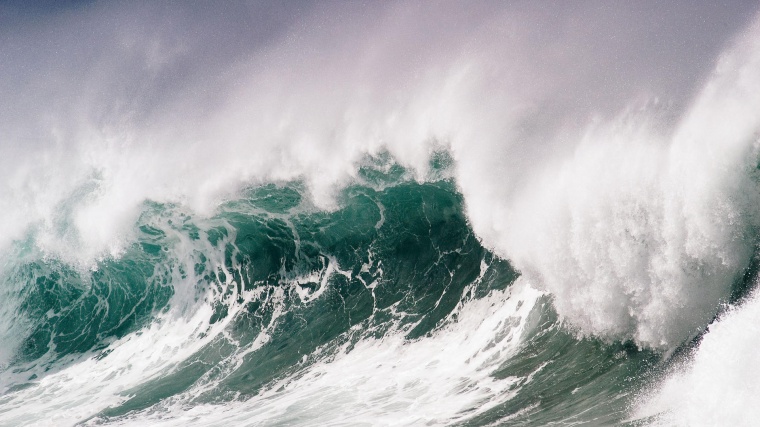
(721, 384)
(434, 381)
(640, 233)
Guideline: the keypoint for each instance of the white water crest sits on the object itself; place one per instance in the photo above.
(721, 384)
(718, 383)
(640, 233)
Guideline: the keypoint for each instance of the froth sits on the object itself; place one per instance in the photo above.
(388, 381)
(720, 385)
(641, 232)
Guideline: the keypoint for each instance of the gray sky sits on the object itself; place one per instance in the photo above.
(107, 64)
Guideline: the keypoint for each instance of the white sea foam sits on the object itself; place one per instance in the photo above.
(390, 381)
(721, 385)
(641, 232)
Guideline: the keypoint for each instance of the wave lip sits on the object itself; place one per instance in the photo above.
(642, 233)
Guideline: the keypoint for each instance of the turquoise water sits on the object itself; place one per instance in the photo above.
(396, 258)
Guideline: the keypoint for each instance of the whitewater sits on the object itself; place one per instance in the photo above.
(485, 214)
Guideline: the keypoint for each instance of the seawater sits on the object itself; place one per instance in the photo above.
(277, 298)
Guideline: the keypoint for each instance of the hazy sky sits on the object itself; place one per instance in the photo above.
(108, 62)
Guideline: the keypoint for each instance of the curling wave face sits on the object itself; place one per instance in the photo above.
(273, 306)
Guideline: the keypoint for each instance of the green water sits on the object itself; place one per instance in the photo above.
(397, 256)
